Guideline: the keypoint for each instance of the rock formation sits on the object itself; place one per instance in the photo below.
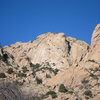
(54, 67)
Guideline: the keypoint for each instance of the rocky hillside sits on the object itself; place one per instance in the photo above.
(53, 67)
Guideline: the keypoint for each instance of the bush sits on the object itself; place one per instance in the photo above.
(2, 75)
(55, 71)
(34, 98)
(52, 93)
(48, 76)
(62, 88)
(88, 93)
(70, 92)
(35, 65)
(38, 80)
(84, 81)
(24, 69)
(1, 58)
(94, 76)
(21, 74)
(5, 58)
(18, 83)
(10, 71)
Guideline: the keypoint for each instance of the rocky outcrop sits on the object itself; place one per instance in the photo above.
(96, 36)
(94, 53)
(41, 66)
(78, 50)
(88, 69)
(50, 47)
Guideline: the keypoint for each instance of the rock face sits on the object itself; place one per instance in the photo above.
(44, 66)
(94, 53)
(50, 47)
(96, 36)
(88, 69)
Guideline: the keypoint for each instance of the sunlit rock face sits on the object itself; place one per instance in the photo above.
(52, 59)
(96, 36)
(88, 69)
(94, 53)
(54, 48)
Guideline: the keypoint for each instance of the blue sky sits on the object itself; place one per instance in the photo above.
(24, 20)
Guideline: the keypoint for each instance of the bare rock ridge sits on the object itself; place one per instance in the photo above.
(94, 53)
(52, 67)
(96, 35)
(49, 47)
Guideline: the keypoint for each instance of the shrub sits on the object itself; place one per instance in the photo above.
(24, 69)
(35, 65)
(21, 74)
(78, 98)
(52, 93)
(5, 58)
(94, 76)
(34, 98)
(1, 58)
(84, 81)
(70, 92)
(2, 75)
(43, 96)
(56, 71)
(18, 83)
(53, 64)
(88, 93)
(38, 80)
(62, 88)
(48, 76)
(10, 71)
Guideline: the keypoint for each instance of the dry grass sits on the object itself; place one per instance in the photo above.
(9, 91)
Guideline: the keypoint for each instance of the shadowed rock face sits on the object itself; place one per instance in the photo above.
(9, 91)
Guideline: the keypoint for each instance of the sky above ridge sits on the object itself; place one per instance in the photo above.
(24, 20)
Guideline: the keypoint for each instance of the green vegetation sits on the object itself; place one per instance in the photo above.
(62, 88)
(94, 76)
(1, 57)
(48, 76)
(88, 93)
(20, 74)
(52, 93)
(5, 58)
(53, 64)
(24, 69)
(2, 75)
(55, 71)
(18, 83)
(10, 71)
(92, 72)
(35, 66)
(38, 80)
(70, 92)
(34, 98)
(84, 81)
